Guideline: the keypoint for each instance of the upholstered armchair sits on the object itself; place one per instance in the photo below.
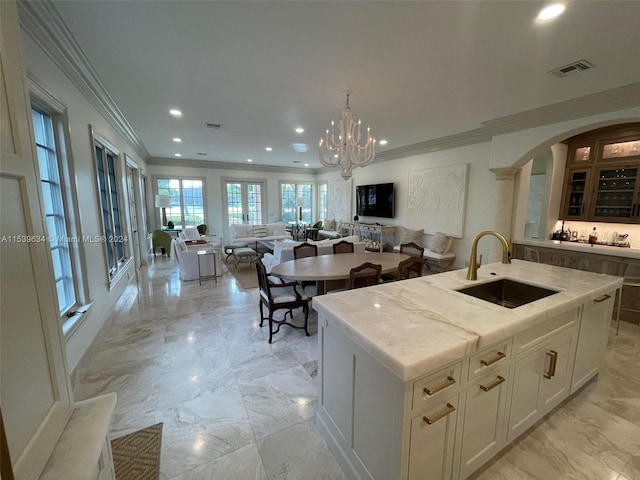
(160, 239)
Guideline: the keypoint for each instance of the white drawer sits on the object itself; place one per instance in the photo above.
(539, 333)
(490, 358)
(442, 382)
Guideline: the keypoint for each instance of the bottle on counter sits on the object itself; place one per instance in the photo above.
(593, 236)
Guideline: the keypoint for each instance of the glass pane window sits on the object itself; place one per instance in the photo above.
(54, 211)
(323, 190)
(114, 240)
(187, 200)
(244, 202)
(295, 199)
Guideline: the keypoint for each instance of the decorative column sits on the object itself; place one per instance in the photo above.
(502, 208)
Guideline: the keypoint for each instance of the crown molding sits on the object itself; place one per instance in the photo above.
(42, 22)
(175, 162)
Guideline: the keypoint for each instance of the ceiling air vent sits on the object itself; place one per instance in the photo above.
(215, 126)
(575, 67)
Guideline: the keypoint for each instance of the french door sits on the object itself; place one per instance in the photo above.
(245, 202)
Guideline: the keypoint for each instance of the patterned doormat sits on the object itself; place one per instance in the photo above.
(136, 456)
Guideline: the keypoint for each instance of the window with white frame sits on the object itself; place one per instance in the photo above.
(109, 188)
(187, 200)
(323, 190)
(295, 199)
(59, 208)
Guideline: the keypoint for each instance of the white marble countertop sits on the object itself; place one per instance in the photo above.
(581, 247)
(415, 326)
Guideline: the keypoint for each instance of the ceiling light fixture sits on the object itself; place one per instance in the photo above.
(346, 147)
(175, 112)
(177, 140)
(299, 130)
(551, 11)
(268, 149)
(177, 154)
(383, 142)
(249, 160)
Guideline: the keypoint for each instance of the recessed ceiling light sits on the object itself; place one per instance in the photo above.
(299, 130)
(268, 149)
(177, 154)
(249, 160)
(383, 142)
(177, 140)
(551, 11)
(175, 112)
(306, 164)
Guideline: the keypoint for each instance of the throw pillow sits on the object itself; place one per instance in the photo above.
(408, 235)
(276, 229)
(260, 231)
(440, 243)
(330, 225)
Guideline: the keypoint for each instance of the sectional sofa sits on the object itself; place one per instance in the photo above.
(250, 234)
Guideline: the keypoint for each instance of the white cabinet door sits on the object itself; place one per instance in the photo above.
(484, 412)
(432, 441)
(592, 339)
(541, 380)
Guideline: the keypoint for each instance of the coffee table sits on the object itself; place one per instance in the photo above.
(334, 267)
(266, 245)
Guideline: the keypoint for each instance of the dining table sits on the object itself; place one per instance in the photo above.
(325, 268)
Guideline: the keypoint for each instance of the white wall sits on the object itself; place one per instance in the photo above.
(81, 114)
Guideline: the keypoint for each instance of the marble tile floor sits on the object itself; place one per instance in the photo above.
(235, 407)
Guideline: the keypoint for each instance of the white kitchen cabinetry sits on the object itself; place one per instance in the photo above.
(541, 380)
(593, 329)
(448, 423)
(433, 434)
(482, 426)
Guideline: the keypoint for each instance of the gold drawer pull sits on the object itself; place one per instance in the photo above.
(450, 409)
(486, 363)
(498, 381)
(552, 364)
(602, 298)
(450, 381)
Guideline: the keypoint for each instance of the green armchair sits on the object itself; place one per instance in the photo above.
(161, 239)
(313, 231)
(202, 229)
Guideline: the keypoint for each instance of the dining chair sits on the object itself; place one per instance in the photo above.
(280, 296)
(305, 250)
(343, 247)
(412, 249)
(410, 268)
(631, 279)
(161, 239)
(364, 275)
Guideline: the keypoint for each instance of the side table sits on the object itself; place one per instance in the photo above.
(203, 254)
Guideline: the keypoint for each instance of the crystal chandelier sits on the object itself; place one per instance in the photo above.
(345, 149)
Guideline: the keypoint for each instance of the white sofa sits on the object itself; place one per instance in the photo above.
(250, 234)
(283, 251)
(187, 257)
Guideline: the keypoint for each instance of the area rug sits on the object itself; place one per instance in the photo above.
(246, 275)
(136, 456)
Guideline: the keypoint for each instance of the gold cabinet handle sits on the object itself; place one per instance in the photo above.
(552, 364)
(498, 381)
(486, 363)
(450, 381)
(450, 409)
(602, 298)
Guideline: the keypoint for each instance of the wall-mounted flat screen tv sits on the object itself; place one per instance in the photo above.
(375, 200)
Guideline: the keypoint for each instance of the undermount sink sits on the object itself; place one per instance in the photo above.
(507, 293)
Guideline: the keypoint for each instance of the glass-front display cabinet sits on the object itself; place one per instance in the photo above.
(602, 176)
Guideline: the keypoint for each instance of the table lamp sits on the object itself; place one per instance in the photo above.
(163, 201)
(300, 204)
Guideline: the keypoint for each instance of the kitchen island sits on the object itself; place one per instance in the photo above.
(420, 381)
